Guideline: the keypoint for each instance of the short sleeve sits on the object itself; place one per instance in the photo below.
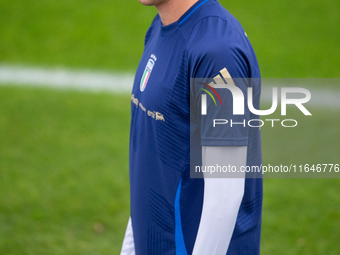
(221, 60)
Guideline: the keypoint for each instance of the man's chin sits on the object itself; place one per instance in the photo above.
(146, 2)
(151, 2)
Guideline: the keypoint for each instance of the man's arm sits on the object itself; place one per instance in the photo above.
(222, 199)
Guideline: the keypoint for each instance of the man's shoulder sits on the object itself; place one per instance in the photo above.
(212, 19)
(218, 40)
(214, 29)
(216, 36)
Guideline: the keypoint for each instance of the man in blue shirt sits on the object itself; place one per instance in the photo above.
(171, 212)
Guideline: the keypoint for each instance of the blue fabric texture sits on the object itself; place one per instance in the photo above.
(166, 204)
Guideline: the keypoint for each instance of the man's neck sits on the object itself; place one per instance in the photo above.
(170, 11)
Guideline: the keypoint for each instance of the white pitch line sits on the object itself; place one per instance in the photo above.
(122, 83)
(62, 78)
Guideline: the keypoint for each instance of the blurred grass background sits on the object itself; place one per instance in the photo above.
(64, 154)
(292, 38)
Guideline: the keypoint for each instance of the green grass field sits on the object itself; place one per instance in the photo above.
(64, 185)
(64, 167)
(292, 38)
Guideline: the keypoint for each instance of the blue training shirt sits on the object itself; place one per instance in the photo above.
(166, 204)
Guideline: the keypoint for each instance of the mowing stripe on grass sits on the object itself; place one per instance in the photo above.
(122, 83)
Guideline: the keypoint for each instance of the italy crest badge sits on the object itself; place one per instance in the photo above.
(146, 74)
